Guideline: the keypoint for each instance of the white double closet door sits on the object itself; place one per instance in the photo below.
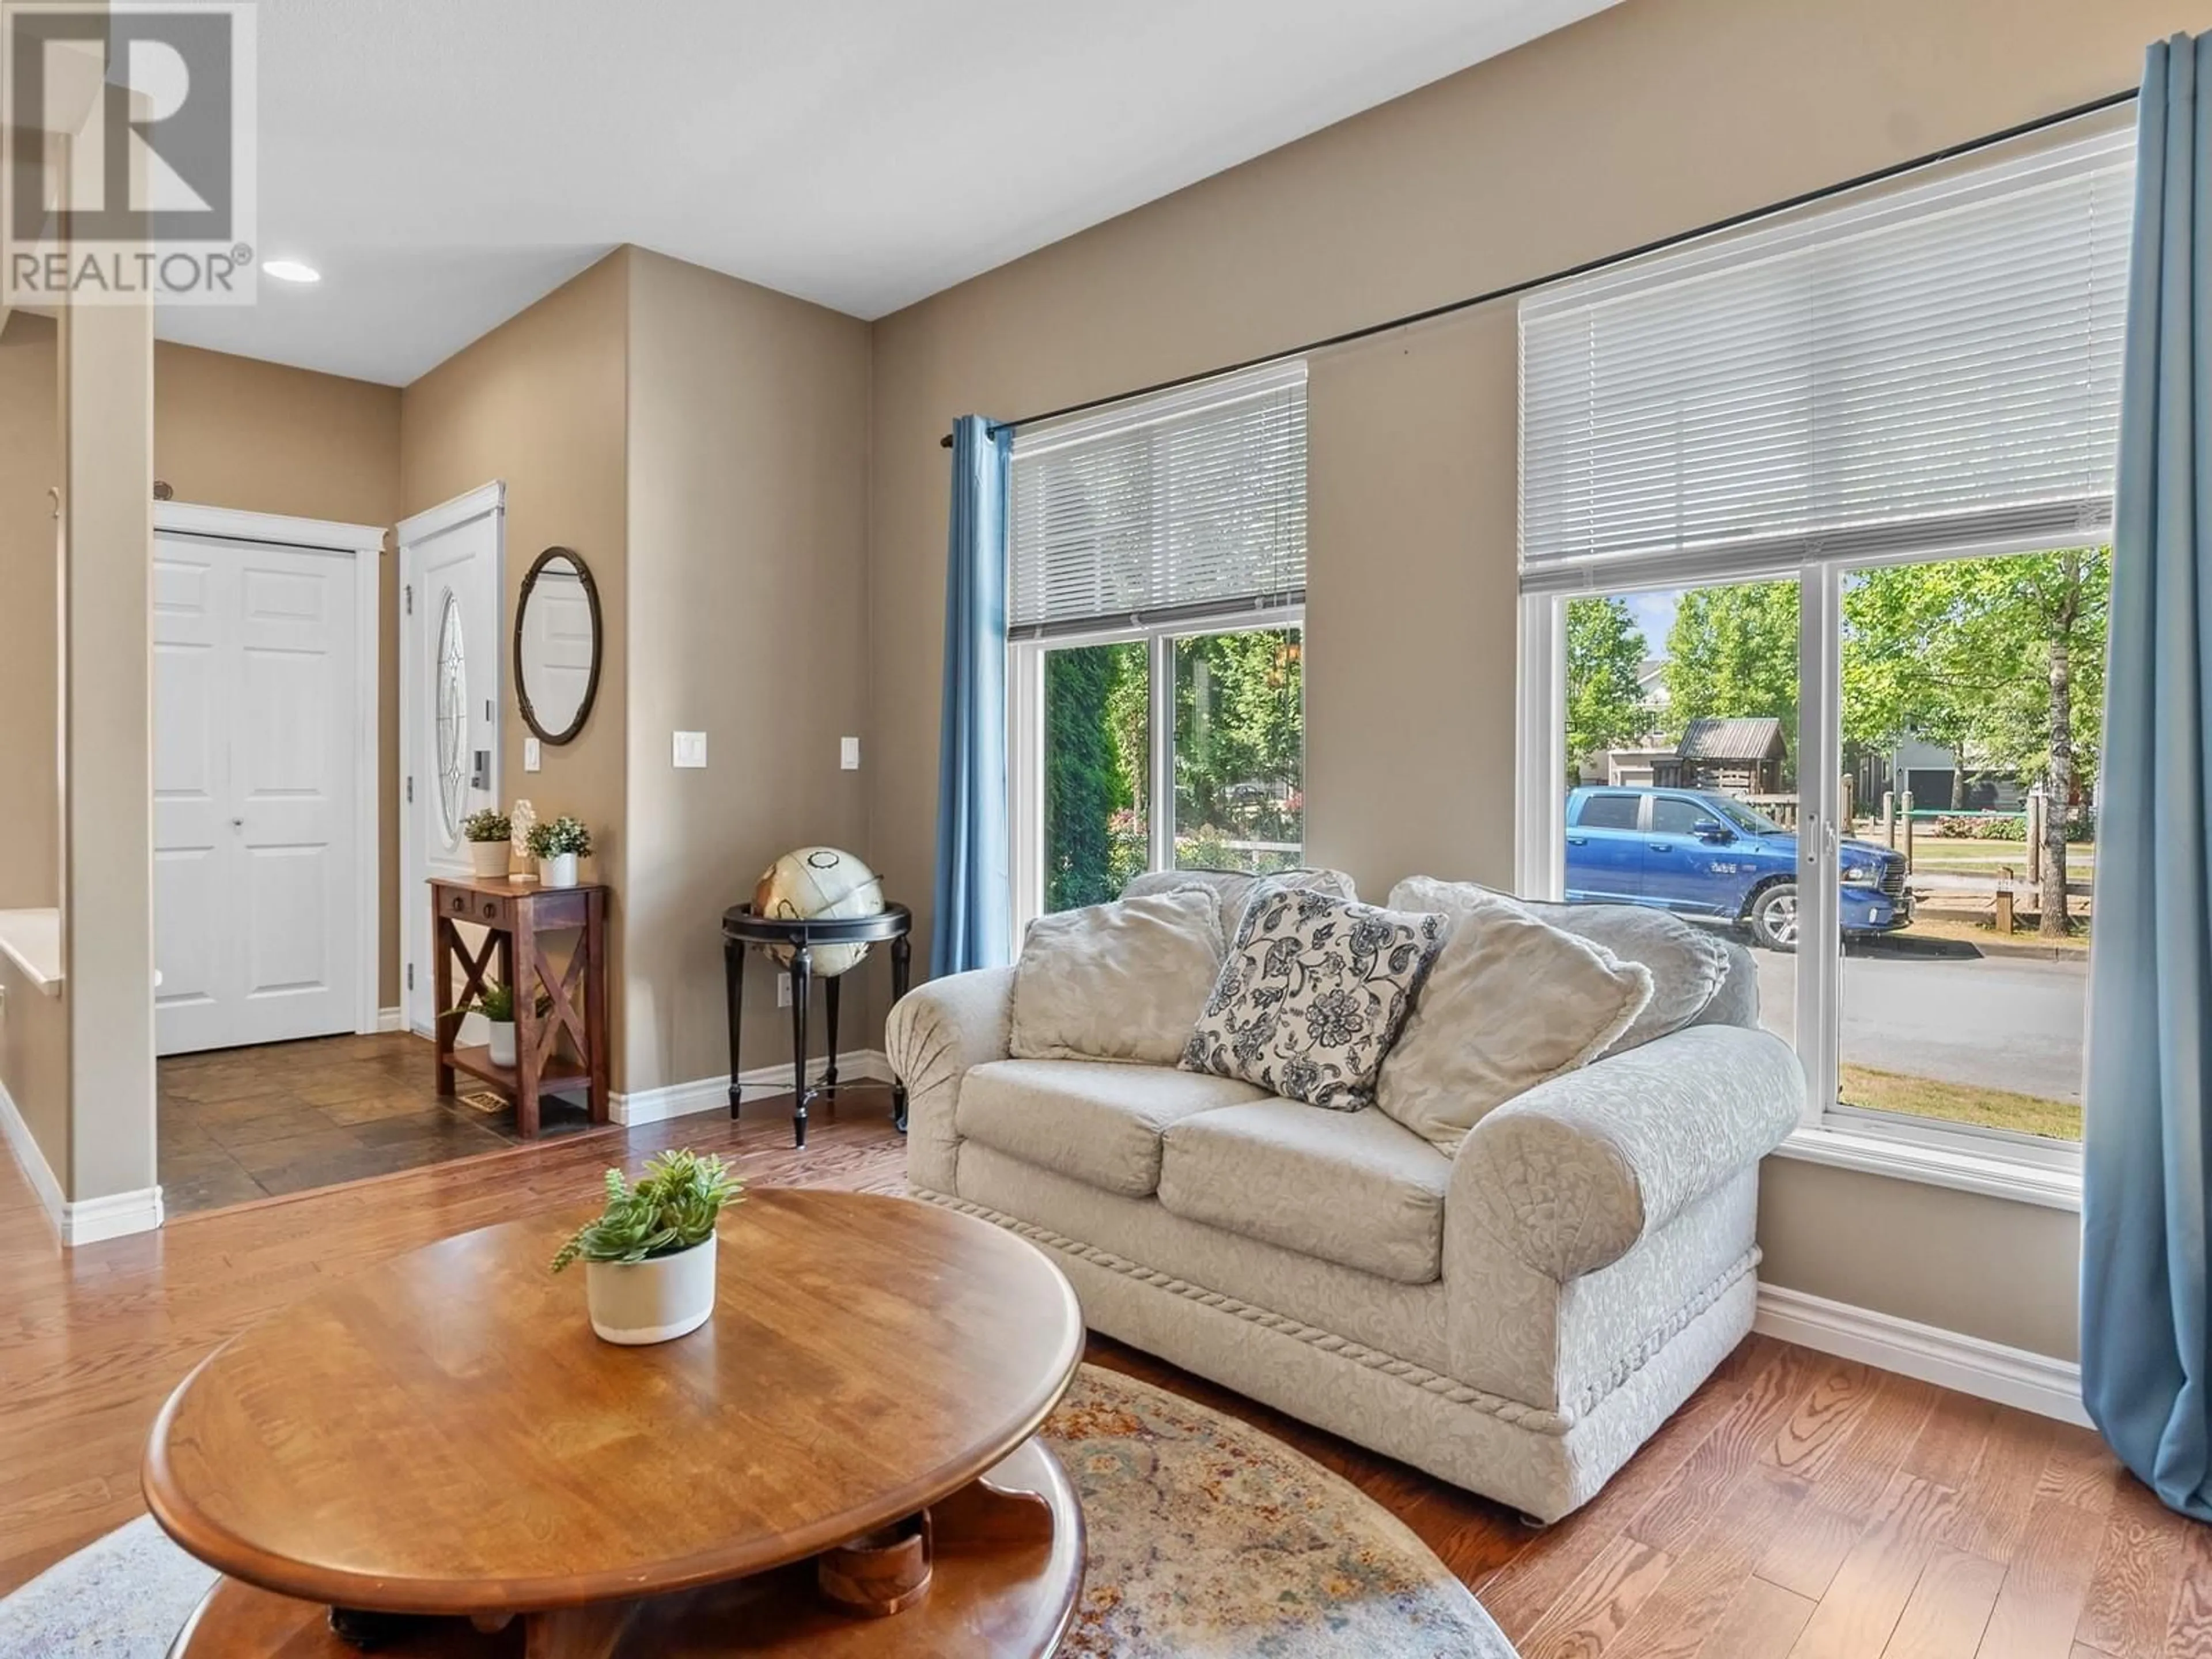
(259, 814)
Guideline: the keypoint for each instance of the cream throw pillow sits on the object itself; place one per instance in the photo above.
(1122, 981)
(1511, 1002)
(1688, 965)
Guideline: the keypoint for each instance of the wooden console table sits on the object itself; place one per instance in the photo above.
(516, 915)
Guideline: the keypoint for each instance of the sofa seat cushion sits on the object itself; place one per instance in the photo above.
(1351, 1188)
(1098, 1121)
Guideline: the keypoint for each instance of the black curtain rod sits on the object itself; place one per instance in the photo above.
(1933, 158)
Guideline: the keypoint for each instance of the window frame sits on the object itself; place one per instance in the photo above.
(1995, 1162)
(1025, 759)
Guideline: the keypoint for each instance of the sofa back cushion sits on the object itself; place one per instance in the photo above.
(1311, 996)
(1511, 1002)
(1233, 890)
(1689, 965)
(1120, 982)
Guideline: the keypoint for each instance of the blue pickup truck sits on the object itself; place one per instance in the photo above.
(1703, 854)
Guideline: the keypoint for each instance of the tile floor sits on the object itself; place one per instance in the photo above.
(239, 1124)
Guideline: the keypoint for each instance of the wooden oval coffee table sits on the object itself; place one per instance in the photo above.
(442, 1435)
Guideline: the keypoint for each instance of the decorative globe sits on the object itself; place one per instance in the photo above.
(819, 884)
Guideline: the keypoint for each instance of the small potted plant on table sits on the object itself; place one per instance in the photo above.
(487, 834)
(649, 1256)
(556, 846)
(496, 1005)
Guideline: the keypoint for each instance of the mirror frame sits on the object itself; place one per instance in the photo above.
(599, 645)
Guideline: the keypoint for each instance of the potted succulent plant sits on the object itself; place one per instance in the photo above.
(489, 834)
(649, 1256)
(556, 846)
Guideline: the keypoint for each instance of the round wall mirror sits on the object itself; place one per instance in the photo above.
(556, 644)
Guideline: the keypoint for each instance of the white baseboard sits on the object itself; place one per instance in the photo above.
(710, 1094)
(93, 1219)
(119, 1213)
(391, 1019)
(1988, 1370)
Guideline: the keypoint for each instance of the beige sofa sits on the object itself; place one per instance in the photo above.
(1517, 1319)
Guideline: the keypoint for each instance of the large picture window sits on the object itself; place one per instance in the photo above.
(1814, 565)
(1157, 573)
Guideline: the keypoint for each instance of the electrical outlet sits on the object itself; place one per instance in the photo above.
(783, 990)
(691, 749)
(848, 753)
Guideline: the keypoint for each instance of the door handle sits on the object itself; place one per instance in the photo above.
(1577, 840)
(1658, 846)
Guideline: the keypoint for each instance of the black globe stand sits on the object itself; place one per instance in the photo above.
(743, 929)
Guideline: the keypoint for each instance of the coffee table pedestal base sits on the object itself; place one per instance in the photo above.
(1008, 1566)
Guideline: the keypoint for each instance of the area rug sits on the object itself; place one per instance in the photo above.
(1208, 1540)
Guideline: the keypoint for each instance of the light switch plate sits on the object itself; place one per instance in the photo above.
(783, 990)
(848, 753)
(533, 754)
(690, 748)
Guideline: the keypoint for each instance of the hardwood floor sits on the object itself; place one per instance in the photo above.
(1798, 1507)
(237, 1124)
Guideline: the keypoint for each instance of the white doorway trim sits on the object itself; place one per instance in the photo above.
(364, 545)
(489, 501)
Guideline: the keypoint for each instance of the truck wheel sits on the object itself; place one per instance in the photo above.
(1774, 916)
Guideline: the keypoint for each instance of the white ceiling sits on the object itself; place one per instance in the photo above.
(445, 162)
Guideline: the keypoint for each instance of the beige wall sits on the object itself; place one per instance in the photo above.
(541, 403)
(30, 464)
(34, 1028)
(748, 530)
(262, 438)
(107, 853)
(1649, 118)
(34, 1063)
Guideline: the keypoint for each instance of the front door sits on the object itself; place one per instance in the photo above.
(258, 815)
(451, 649)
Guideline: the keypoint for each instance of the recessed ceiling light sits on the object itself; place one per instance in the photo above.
(291, 270)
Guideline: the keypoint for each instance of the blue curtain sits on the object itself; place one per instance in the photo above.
(2145, 1365)
(974, 898)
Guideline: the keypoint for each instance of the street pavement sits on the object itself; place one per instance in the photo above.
(2001, 1023)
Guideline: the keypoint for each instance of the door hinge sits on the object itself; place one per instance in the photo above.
(411, 791)
(487, 715)
(410, 976)
(410, 598)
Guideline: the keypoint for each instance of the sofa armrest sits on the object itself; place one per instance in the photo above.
(935, 1034)
(1570, 1176)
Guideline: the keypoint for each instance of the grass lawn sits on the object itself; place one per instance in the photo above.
(1960, 1103)
(1992, 857)
(1977, 927)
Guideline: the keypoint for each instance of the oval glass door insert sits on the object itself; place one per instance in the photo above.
(453, 673)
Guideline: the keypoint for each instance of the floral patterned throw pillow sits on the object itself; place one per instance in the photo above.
(1311, 996)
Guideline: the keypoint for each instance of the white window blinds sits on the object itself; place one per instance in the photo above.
(1193, 503)
(1939, 368)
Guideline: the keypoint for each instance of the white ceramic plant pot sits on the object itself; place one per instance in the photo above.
(502, 1041)
(635, 1302)
(487, 859)
(559, 870)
